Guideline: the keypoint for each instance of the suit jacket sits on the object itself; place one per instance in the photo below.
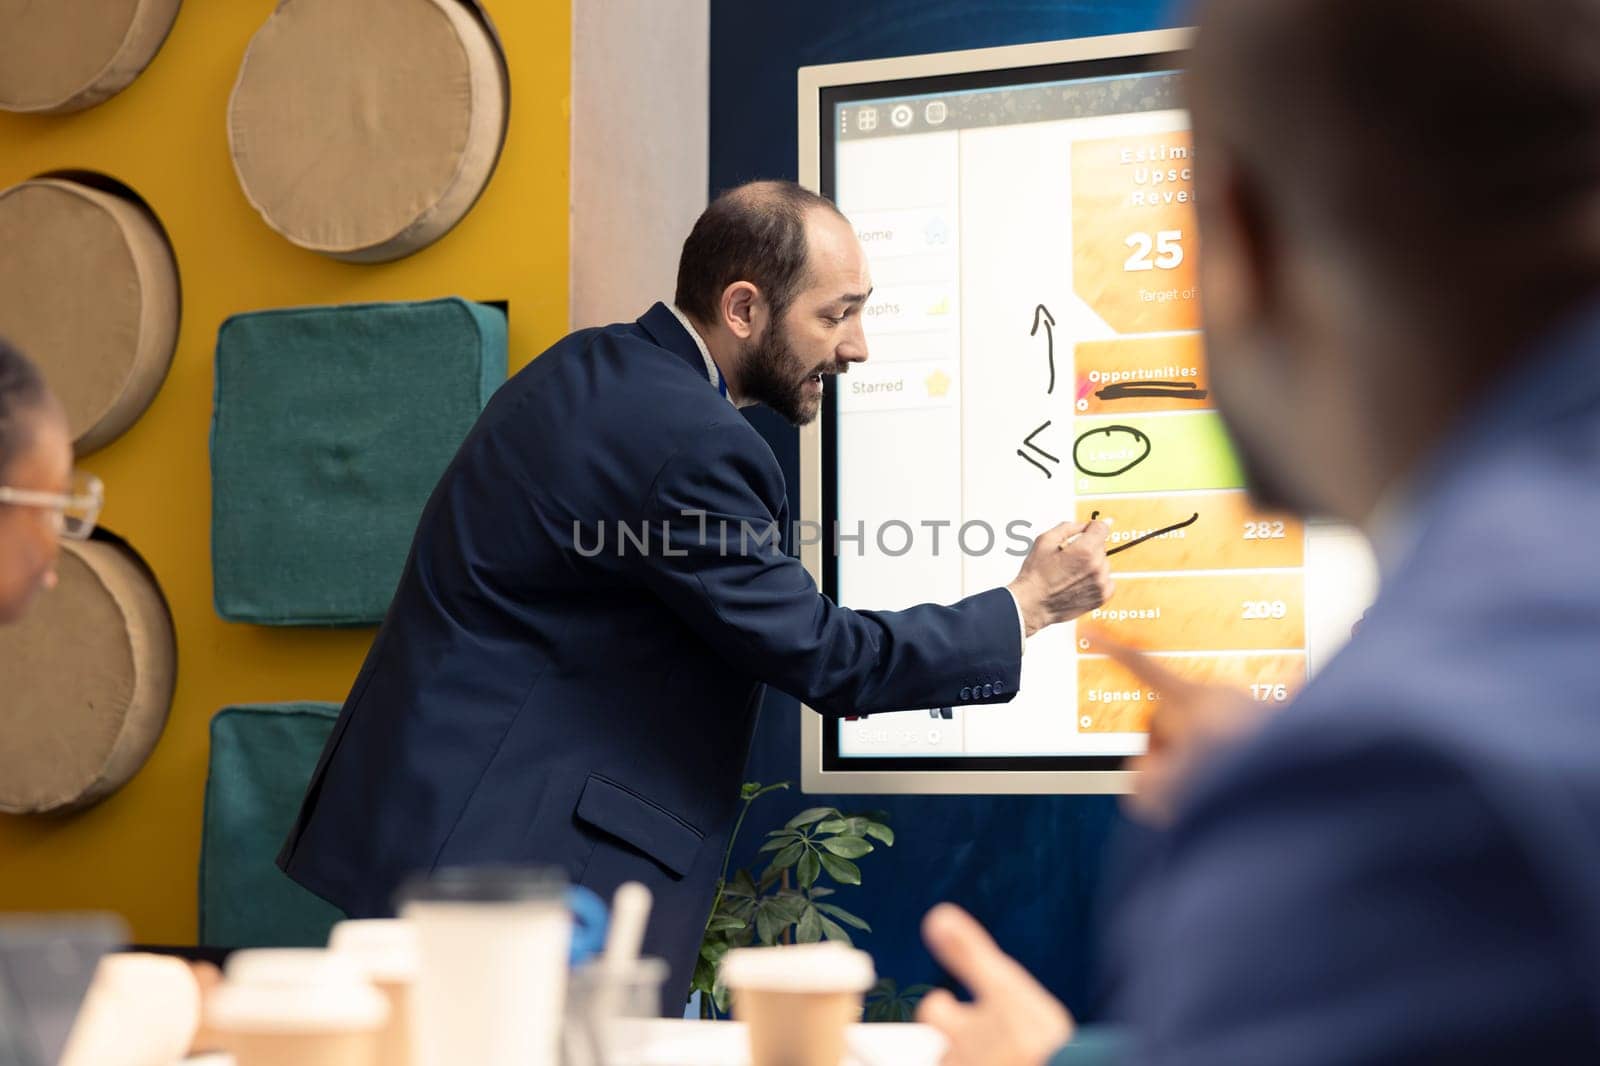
(571, 667)
(1404, 866)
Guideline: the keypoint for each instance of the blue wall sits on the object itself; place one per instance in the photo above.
(1028, 866)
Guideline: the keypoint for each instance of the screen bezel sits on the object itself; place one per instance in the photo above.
(822, 90)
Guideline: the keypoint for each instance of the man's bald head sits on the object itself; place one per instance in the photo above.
(1396, 199)
(1453, 145)
(754, 232)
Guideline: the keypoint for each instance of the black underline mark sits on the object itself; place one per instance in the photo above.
(1145, 390)
(1138, 437)
(1191, 520)
(1035, 462)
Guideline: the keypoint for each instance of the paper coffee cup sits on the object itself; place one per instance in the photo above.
(297, 1007)
(139, 1009)
(493, 944)
(385, 950)
(797, 1000)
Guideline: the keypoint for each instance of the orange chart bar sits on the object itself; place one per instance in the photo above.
(1230, 534)
(1111, 700)
(1133, 231)
(1142, 374)
(1206, 612)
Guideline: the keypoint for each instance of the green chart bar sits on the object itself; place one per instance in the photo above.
(1153, 453)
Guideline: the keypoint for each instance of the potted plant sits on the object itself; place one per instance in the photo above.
(788, 902)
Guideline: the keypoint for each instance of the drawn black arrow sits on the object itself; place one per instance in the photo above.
(1041, 314)
(1028, 443)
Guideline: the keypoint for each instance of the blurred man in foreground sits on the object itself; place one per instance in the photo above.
(1400, 205)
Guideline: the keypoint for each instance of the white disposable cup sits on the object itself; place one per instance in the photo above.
(385, 949)
(797, 1000)
(492, 981)
(297, 1007)
(139, 1009)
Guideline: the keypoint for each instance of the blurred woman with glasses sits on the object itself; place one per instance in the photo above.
(41, 500)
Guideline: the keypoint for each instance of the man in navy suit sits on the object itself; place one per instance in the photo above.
(1400, 206)
(570, 670)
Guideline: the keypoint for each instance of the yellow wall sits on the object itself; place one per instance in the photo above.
(165, 136)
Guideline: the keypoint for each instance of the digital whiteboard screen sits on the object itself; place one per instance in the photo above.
(1035, 356)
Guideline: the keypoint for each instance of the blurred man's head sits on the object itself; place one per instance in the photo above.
(1396, 198)
(774, 277)
(35, 456)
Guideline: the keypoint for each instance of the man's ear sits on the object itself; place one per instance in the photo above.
(1241, 249)
(741, 307)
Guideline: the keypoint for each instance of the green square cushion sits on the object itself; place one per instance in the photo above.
(330, 428)
(261, 761)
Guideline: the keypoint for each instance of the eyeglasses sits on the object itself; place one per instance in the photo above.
(74, 513)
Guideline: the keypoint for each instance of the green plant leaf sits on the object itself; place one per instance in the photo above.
(834, 825)
(725, 923)
(719, 996)
(916, 992)
(820, 891)
(879, 831)
(833, 931)
(705, 977)
(810, 867)
(844, 916)
(742, 884)
(809, 815)
(783, 840)
(785, 859)
(847, 847)
(769, 924)
(809, 931)
(789, 906)
(841, 870)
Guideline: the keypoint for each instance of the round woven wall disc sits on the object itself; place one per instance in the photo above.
(89, 677)
(66, 55)
(366, 129)
(89, 290)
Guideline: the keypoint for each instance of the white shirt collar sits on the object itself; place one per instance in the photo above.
(712, 373)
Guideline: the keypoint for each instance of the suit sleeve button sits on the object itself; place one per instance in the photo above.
(966, 693)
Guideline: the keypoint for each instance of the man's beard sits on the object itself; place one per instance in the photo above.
(772, 374)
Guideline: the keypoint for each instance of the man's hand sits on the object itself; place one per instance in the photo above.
(1191, 725)
(1012, 1020)
(1060, 580)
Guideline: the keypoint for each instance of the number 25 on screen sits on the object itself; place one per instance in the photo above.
(1166, 246)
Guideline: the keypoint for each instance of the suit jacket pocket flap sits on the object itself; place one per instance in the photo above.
(628, 816)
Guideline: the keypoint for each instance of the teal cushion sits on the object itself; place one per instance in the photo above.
(261, 761)
(330, 428)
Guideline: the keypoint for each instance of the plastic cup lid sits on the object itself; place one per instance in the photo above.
(825, 967)
(384, 948)
(486, 884)
(294, 988)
